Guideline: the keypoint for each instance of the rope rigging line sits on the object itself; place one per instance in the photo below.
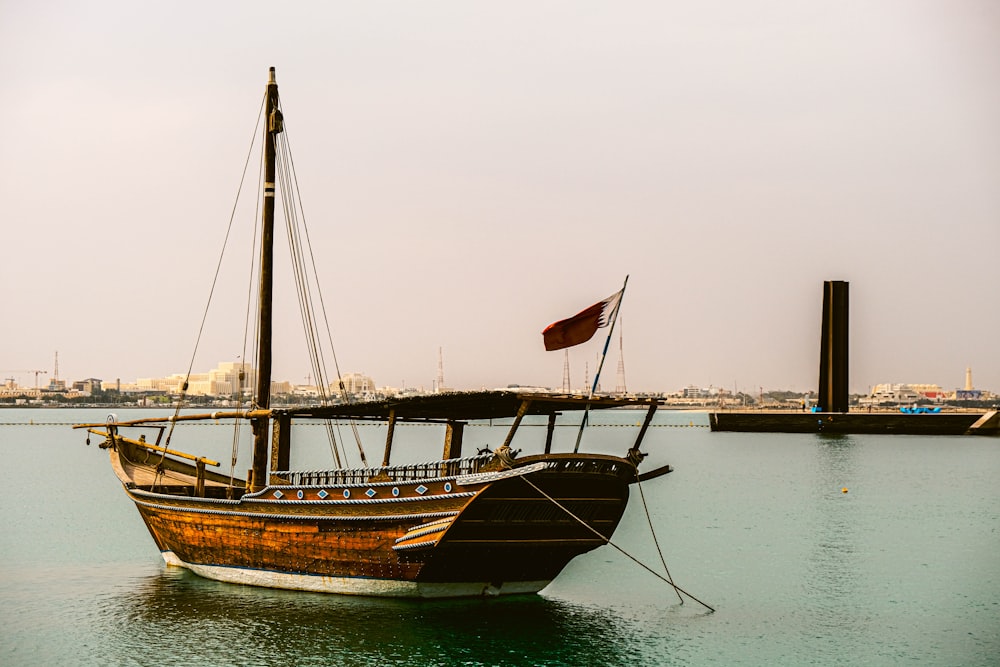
(652, 532)
(303, 287)
(302, 283)
(211, 293)
(608, 541)
(326, 320)
(300, 246)
(251, 322)
(312, 260)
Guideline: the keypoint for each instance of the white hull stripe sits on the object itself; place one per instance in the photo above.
(354, 585)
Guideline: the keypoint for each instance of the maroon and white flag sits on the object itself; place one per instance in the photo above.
(581, 327)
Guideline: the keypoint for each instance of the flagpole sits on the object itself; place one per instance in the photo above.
(600, 365)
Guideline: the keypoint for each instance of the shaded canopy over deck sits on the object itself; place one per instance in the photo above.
(464, 406)
(451, 409)
(455, 410)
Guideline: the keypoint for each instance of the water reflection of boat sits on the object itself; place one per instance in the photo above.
(250, 625)
(489, 524)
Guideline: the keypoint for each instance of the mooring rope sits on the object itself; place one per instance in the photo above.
(608, 541)
(652, 532)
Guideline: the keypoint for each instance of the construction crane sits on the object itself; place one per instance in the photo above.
(37, 373)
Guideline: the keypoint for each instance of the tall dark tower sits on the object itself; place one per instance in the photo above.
(833, 347)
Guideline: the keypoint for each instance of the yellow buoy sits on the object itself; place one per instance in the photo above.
(844, 490)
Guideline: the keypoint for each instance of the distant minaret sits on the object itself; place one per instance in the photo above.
(55, 375)
(620, 387)
(968, 378)
(566, 385)
(586, 377)
(440, 377)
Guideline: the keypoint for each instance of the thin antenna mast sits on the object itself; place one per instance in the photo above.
(620, 387)
(440, 375)
(566, 385)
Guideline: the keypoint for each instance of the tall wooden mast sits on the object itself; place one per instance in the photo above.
(272, 127)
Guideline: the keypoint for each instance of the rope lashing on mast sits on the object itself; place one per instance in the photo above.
(608, 541)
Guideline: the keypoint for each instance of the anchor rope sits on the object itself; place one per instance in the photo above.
(608, 541)
(652, 532)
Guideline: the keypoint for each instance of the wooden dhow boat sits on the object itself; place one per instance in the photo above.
(487, 524)
(493, 523)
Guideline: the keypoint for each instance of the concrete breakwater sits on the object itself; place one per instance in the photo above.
(962, 423)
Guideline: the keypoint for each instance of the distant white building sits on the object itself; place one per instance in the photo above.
(88, 387)
(354, 383)
(223, 380)
(905, 393)
(691, 391)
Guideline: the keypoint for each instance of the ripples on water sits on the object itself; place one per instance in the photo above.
(197, 622)
(903, 568)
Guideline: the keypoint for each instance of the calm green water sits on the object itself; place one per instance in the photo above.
(902, 569)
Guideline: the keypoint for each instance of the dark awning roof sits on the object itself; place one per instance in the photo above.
(463, 406)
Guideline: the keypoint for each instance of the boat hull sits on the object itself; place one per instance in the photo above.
(497, 533)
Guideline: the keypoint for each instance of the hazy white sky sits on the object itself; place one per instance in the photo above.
(473, 171)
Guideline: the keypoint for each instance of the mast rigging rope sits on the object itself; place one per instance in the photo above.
(211, 293)
(300, 247)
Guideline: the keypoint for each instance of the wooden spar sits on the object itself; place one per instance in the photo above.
(281, 439)
(550, 429)
(653, 474)
(149, 445)
(517, 422)
(453, 435)
(247, 414)
(388, 439)
(645, 426)
(199, 483)
(272, 126)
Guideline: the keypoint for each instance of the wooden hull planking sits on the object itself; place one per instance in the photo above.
(480, 534)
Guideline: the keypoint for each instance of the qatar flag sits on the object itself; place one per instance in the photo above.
(581, 327)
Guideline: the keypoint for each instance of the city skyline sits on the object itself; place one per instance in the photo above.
(474, 173)
(579, 385)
